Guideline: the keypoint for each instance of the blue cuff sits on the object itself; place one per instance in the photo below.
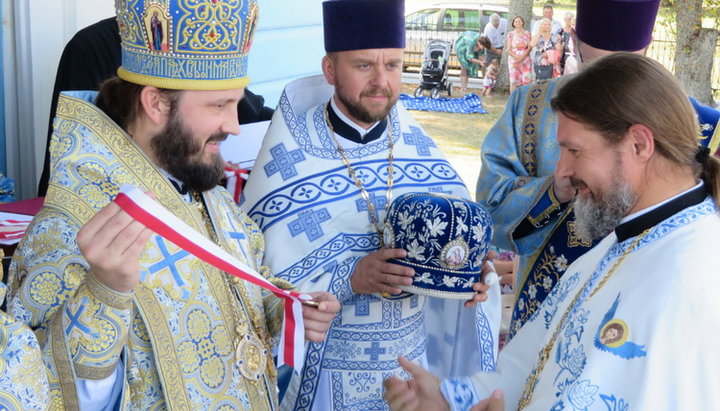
(545, 209)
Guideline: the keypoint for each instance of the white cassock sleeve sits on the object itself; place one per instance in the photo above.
(102, 394)
(515, 362)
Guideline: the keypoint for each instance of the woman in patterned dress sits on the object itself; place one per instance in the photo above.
(518, 45)
(547, 48)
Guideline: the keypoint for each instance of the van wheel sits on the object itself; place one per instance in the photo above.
(418, 91)
(435, 93)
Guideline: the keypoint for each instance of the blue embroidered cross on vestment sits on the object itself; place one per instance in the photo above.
(236, 234)
(75, 319)
(308, 222)
(375, 351)
(169, 261)
(362, 304)
(419, 139)
(380, 203)
(283, 161)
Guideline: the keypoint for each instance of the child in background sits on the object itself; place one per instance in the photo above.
(490, 77)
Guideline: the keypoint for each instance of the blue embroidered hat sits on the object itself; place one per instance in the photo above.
(363, 24)
(186, 44)
(616, 25)
(447, 239)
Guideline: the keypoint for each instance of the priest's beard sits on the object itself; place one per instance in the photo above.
(181, 155)
(595, 217)
(362, 113)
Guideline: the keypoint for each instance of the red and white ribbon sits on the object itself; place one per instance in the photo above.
(161, 221)
(8, 223)
(235, 180)
(12, 229)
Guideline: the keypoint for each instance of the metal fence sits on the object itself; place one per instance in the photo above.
(417, 40)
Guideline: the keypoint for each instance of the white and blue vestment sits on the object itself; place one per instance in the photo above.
(317, 227)
(652, 281)
(172, 342)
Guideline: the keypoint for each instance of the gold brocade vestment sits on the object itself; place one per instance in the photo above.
(176, 332)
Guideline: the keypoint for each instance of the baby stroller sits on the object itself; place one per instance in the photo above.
(434, 71)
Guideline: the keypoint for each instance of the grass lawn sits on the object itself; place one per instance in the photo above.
(459, 136)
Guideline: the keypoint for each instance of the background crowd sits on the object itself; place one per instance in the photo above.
(545, 52)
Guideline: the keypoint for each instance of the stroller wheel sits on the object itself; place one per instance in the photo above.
(418, 91)
(449, 89)
(435, 93)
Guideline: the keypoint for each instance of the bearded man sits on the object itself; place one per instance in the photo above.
(530, 204)
(127, 319)
(330, 164)
(628, 325)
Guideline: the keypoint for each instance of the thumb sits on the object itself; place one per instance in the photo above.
(495, 402)
(413, 369)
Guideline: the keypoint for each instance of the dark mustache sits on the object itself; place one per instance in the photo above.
(376, 92)
(219, 137)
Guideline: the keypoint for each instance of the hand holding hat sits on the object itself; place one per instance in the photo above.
(447, 239)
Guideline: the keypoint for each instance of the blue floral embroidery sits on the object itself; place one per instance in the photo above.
(581, 394)
(614, 404)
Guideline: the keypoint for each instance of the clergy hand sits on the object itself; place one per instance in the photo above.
(112, 242)
(423, 388)
(495, 402)
(317, 319)
(373, 274)
(564, 191)
(488, 278)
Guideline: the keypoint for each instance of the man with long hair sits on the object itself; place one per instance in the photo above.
(632, 153)
(529, 202)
